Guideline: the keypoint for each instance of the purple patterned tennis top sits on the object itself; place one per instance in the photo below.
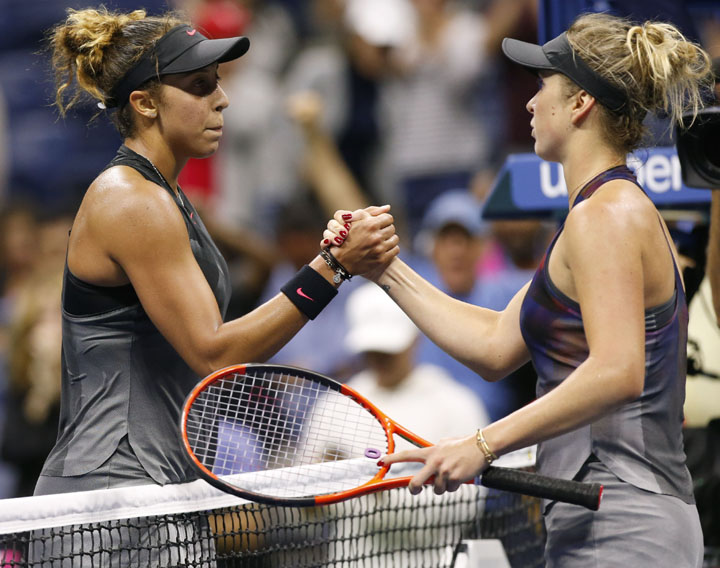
(640, 442)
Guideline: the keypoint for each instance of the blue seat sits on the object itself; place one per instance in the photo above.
(55, 160)
(24, 23)
(25, 83)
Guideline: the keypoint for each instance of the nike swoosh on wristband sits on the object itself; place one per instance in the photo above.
(300, 292)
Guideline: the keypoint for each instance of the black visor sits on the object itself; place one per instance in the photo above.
(181, 50)
(557, 55)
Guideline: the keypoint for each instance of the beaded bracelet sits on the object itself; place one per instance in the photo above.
(341, 273)
(484, 448)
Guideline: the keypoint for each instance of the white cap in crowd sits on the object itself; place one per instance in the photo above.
(376, 323)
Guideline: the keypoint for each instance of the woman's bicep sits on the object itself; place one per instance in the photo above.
(157, 258)
(506, 349)
(607, 271)
(181, 304)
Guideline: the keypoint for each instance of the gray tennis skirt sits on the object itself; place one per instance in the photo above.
(632, 528)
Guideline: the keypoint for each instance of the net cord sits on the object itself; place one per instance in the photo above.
(48, 511)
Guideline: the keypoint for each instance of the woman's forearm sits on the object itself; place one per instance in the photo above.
(471, 334)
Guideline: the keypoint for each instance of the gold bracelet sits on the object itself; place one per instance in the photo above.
(484, 448)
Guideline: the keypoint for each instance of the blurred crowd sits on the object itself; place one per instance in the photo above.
(338, 104)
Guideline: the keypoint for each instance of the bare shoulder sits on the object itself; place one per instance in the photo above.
(121, 194)
(619, 209)
(123, 217)
(611, 231)
(616, 240)
(121, 206)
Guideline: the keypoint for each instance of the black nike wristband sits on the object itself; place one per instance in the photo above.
(309, 291)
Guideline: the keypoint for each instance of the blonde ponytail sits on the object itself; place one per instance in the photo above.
(673, 70)
(656, 66)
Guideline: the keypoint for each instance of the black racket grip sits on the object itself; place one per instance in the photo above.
(507, 479)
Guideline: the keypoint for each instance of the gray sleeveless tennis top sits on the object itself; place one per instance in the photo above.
(119, 374)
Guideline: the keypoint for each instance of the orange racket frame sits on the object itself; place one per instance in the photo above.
(585, 494)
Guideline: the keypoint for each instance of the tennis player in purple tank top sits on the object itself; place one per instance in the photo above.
(604, 319)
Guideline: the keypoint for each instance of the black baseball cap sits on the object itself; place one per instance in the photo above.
(181, 50)
(558, 55)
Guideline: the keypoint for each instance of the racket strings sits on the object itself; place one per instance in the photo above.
(284, 435)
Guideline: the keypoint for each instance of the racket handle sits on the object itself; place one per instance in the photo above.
(578, 493)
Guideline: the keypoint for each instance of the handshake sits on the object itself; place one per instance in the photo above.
(361, 242)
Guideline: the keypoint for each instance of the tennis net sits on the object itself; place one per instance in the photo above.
(196, 525)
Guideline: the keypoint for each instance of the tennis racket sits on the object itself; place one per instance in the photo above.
(287, 436)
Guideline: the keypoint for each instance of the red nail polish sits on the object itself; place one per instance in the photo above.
(326, 242)
(343, 234)
(381, 463)
(347, 216)
(338, 240)
(347, 226)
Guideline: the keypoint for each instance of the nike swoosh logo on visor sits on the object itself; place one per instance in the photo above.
(191, 32)
(300, 292)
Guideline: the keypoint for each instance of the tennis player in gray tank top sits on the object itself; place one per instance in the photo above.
(146, 289)
(104, 434)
